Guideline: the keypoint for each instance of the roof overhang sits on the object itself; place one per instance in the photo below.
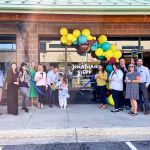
(82, 10)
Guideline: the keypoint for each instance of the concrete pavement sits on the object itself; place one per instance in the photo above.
(79, 123)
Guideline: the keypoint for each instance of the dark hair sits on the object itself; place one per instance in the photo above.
(94, 71)
(103, 67)
(56, 67)
(23, 64)
(10, 71)
(61, 75)
(64, 80)
(44, 68)
(40, 65)
(9, 78)
(134, 67)
(135, 60)
(11, 66)
(117, 65)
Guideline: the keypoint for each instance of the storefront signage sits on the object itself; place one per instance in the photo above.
(83, 69)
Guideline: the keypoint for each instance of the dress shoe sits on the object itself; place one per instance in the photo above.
(25, 109)
(115, 110)
(134, 114)
(146, 112)
(121, 109)
(139, 110)
(130, 112)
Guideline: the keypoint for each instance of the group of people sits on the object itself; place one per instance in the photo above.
(129, 86)
(33, 83)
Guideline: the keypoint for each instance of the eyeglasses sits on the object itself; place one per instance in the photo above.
(131, 66)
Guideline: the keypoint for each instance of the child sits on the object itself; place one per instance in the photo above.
(63, 92)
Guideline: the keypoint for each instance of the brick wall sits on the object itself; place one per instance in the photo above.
(52, 29)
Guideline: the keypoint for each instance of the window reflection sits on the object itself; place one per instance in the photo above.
(7, 47)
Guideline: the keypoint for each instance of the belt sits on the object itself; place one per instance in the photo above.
(143, 83)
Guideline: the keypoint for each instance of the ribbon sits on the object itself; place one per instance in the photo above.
(37, 89)
(92, 77)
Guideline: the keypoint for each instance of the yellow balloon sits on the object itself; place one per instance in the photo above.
(117, 60)
(108, 54)
(74, 38)
(103, 54)
(69, 37)
(113, 47)
(86, 32)
(76, 33)
(94, 38)
(111, 100)
(69, 42)
(117, 54)
(102, 39)
(90, 37)
(107, 85)
(64, 39)
(99, 52)
(63, 31)
(108, 59)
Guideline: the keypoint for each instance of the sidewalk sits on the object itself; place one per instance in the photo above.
(84, 122)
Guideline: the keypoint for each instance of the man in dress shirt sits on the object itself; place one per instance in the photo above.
(143, 86)
(52, 79)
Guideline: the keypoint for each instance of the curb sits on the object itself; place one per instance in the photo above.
(113, 131)
(36, 133)
(75, 132)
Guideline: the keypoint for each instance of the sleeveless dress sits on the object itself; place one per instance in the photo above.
(33, 92)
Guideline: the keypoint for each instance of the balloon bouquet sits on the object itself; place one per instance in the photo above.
(99, 48)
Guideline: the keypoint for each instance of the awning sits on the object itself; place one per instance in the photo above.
(95, 7)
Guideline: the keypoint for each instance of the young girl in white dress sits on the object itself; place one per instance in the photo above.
(63, 92)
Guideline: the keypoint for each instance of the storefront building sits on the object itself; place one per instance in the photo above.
(29, 29)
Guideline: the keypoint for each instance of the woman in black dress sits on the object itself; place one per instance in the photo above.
(12, 90)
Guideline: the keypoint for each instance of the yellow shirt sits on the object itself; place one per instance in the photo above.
(101, 78)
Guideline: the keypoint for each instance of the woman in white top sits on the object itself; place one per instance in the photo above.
(116, 84)
(40, 78)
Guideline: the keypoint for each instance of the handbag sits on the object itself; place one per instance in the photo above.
(67, 95)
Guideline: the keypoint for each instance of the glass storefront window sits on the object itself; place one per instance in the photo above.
(7, 51)
(7, 47)
(78, 67)
(7, 55)
(145, 43)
